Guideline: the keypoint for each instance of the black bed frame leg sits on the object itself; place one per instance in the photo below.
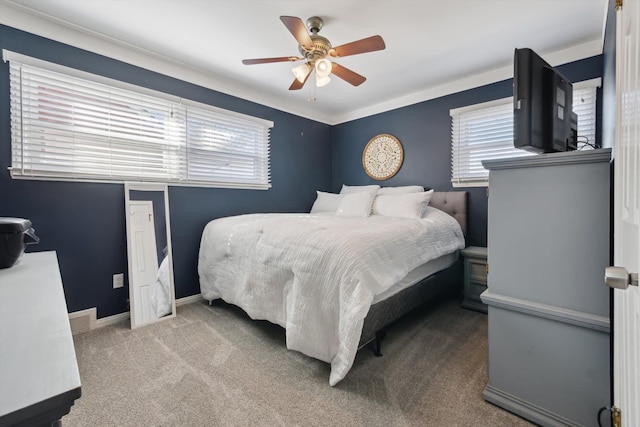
(378, 343)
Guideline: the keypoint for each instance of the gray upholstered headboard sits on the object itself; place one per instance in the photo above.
(454, 203)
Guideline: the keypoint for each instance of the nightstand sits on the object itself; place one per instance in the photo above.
(475, 277)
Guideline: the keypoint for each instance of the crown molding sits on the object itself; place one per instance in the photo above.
(28, 20)
(564, 56)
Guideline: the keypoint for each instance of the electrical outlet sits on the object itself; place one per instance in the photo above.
(118, 280)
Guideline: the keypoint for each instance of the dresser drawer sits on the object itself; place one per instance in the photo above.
(475, 277)
(477, 271)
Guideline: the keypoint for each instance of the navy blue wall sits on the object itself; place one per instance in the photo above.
(84, 222)
(424, 129)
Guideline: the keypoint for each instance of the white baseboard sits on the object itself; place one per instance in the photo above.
(188, 300)
(111, 320)
(85, 320)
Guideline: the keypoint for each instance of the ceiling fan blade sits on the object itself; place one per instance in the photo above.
(268, 60)
(299, 31)
(370, 44)
(347, 75)
(296, 85)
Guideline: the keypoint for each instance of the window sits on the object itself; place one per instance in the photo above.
(485, 131)
(70, 125)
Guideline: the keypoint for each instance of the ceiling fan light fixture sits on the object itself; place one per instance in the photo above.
(316, 52)
(302, 71)
(322, 80)
(323, 67)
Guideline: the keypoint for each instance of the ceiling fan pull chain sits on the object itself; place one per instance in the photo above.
(312, 89)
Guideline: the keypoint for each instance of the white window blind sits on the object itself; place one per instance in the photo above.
(65, 127)
(224, 149)
(485, 131)
(481, 132)
(584, 105)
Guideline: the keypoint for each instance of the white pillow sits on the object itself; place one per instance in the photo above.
(347, 189)
(356, 204)
(405, 189)
(326, 202)
(402, 205)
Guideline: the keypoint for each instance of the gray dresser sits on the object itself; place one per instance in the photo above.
(548, 307)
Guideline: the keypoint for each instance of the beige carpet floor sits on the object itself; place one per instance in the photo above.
(213, 366)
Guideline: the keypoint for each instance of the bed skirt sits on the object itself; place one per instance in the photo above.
(381, 314)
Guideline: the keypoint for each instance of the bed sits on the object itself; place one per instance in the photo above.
(334, 279)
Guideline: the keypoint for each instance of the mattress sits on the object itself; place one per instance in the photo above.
(418, 274)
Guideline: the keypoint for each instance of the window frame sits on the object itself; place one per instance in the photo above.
(507, 150)
(252, 133)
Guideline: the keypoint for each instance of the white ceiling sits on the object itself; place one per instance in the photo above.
(433, 47)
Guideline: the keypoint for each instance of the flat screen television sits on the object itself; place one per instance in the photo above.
(543, 117)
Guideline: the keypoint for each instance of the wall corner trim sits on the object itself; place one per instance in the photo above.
(116, 318)
(83, 320)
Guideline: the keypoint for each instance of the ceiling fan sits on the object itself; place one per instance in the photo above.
(316, 50)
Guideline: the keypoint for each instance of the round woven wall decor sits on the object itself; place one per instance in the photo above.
(382, 156)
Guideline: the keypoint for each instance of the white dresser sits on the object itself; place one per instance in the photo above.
(548, 306)
(39, 378)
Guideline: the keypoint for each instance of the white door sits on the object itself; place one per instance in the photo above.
(626, 317)
(145, 260)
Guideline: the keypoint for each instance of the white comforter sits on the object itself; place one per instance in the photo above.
(316, 275)
(160, 299)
